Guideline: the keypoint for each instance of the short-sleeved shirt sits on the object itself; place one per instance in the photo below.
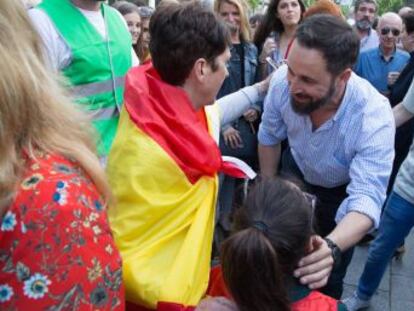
(355, 146)
(404, 183)
(373, 67)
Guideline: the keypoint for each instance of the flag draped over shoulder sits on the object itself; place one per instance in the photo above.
(163, 171)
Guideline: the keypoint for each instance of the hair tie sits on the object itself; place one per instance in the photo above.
(261, 226)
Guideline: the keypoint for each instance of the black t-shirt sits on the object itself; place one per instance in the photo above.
(240, 50)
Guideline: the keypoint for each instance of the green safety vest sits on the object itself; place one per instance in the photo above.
(98, 66)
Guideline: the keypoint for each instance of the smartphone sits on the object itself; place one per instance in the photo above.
(272, 63)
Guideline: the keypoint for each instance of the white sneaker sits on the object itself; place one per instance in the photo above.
(355, 303)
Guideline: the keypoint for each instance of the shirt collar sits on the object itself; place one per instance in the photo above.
(381, 53)
(346, 98)
(297, 291)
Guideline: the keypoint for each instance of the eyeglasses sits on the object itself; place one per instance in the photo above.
(386, 30)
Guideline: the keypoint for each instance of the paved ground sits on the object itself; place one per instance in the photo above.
(396, 291)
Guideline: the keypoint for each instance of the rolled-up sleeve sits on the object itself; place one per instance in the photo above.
(272, 129)
(235, 104)
(370, 171)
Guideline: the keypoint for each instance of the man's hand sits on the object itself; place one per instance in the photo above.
(315, 268)
(392, 77)
(251, 115)
(216, 304)
(232, 138)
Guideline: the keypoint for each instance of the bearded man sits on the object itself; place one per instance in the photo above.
(365, 14)
(341, 134)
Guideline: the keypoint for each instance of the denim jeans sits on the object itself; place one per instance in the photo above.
(396, 223)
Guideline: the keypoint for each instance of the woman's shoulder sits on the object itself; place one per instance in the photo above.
(54, 178)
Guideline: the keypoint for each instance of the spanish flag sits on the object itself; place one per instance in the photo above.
(163, 171)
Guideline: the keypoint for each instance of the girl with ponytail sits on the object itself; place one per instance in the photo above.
(272, 233)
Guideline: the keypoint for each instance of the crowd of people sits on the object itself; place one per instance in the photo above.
(189, 157)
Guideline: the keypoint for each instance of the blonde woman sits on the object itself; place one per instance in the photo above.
(56, 248)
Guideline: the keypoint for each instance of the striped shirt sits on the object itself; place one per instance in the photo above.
(355, 146)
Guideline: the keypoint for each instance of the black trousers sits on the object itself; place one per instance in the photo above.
(328, 201)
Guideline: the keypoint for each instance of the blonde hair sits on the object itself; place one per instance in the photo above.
(244, 22)
(35, 113)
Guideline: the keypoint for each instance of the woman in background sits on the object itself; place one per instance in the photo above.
(130, 12)
(275, 33)
(56, 247)
(145, 12)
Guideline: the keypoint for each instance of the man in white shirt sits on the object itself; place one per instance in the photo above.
(88, 42)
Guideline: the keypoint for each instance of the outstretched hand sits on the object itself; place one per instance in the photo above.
(315, 268)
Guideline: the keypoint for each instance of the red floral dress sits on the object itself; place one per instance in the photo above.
(56, 247)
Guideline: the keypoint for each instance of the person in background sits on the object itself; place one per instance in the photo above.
(365, 13)
(404, 134)
(57, 250)
(88, 42)
(404, 10)
(130, 12)
(238, 139)
(275, 34)
(271, 233)
(323, 7)
(396, 222)
(382, 65)
(138, 3)
(255, 22)
(145, 12)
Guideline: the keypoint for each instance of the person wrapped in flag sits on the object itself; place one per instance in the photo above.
(164, 162)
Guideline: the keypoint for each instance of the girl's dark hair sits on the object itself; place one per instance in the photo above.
(271, 22)
(271, 234)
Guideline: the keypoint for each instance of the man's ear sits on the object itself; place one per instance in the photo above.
(199, 69)
(345, 75)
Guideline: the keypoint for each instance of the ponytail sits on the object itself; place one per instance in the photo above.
(252, 272)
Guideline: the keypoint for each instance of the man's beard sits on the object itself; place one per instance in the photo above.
(312, 105)
(363, 24)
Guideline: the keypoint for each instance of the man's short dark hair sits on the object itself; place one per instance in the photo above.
(408, 19)
(181, 34)
(359, 2)
(333, 37)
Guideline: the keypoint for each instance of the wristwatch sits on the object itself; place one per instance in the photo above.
(336, 252)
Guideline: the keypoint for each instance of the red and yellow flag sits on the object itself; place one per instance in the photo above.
(163, 171)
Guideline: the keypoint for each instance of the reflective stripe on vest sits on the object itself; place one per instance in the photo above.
(96, 88)
(104, 113)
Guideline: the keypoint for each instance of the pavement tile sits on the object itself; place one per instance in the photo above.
(402, 293)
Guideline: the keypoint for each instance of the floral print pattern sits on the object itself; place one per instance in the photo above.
(56, 247)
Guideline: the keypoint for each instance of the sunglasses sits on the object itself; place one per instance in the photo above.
(386, 30)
